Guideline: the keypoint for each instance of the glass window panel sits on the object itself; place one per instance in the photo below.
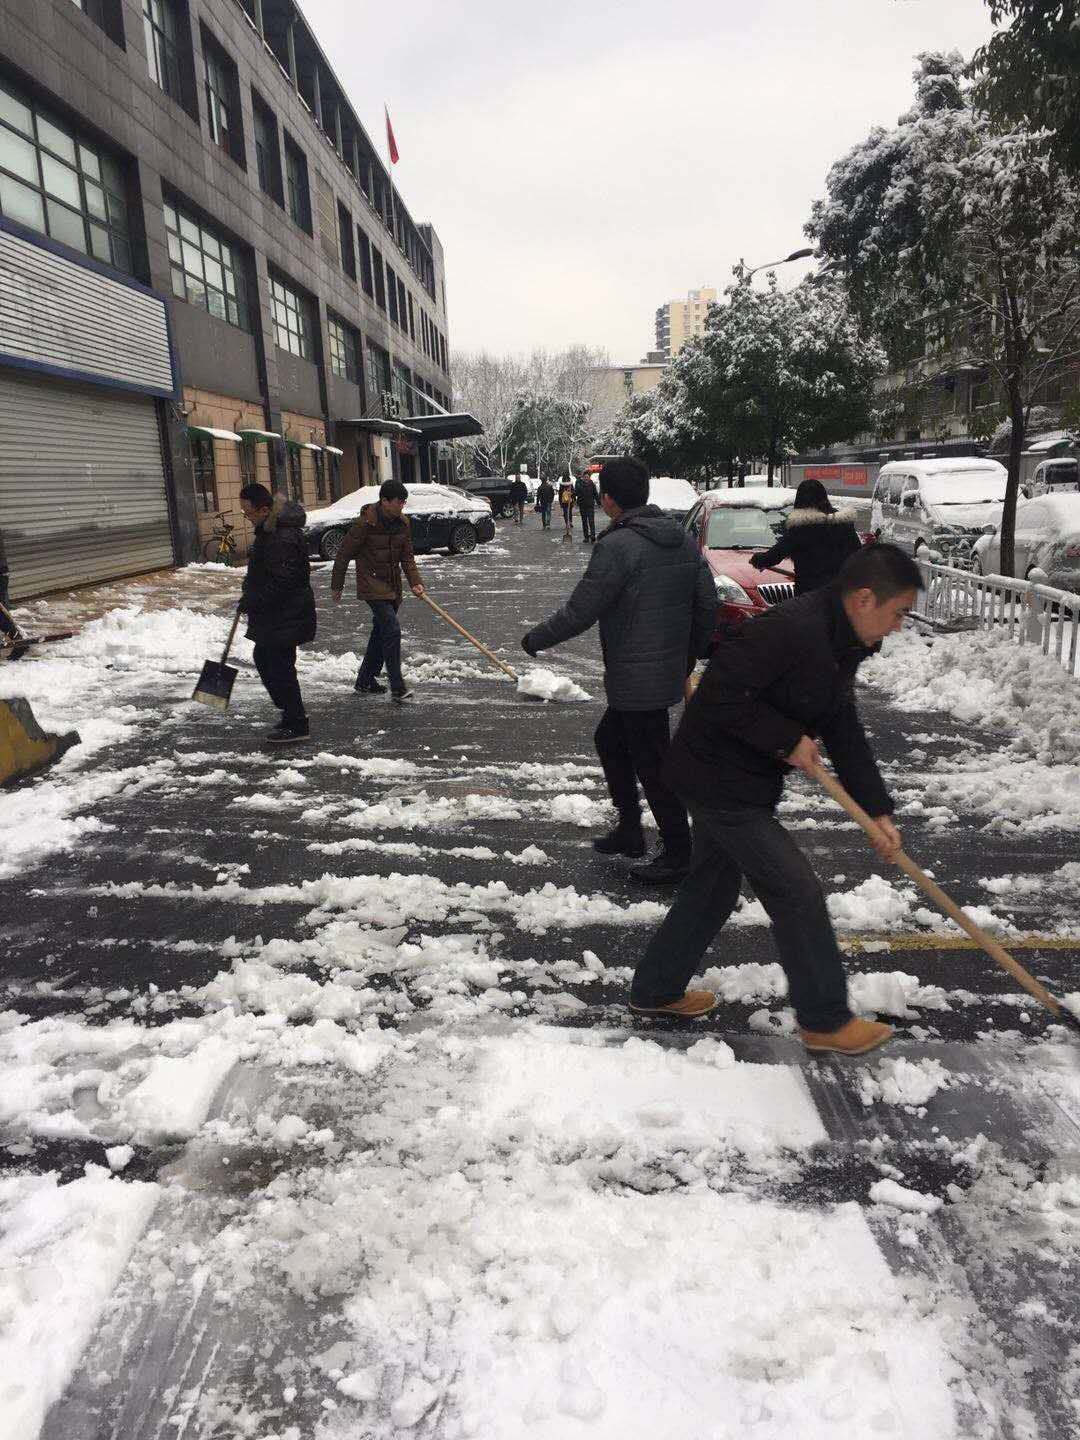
(175, 248)
(14, 111)
(111, 174)
(57, 140)
(213, 273)
(89, 162)
(189, 230)
(193, 259)
(95, 200)
(215, 303)
(121, 253)
(234, 313)
(60, 181)
(19, 156)
(210, 243)
(179, 284)
(196, 291)
(99, 242)
(230, 282)
(66, 225)
(19, 202)
(169, 213)
(117, 211)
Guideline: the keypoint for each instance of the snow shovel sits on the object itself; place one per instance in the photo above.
(987, 942)
(216, 681)
(17, 644)
(506, 669)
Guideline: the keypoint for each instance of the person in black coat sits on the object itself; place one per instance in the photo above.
(817, 539)
(519, 493)
(545, 498)
(772, 685)
(655, 601)
(279, 603)
(587, 501)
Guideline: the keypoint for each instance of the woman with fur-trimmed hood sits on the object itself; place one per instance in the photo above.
(817, 539)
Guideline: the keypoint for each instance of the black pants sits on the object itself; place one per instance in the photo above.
(545, 516)
(383, 647)
(588, 521)
(568, 516)
(728, 846)
(632, 745)
(519, 512)
(276, 665)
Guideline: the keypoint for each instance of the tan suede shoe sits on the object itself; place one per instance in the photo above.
(692, 1004)
(854, 1038)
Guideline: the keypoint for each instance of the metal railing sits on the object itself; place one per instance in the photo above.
(1022, 612)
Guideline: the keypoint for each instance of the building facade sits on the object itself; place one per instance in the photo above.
(206, 278)
(678, 320)
(612, 386)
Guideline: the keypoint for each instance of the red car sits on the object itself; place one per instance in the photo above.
(728, 527)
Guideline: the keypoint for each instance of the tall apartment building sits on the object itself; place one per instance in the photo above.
(205, 279)
(678, 320)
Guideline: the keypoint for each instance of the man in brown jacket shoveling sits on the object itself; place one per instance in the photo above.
(381, 544)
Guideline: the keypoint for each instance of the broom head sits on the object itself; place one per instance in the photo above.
(215, 684)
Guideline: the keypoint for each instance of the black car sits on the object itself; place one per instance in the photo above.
(441, 519)
(495, 488)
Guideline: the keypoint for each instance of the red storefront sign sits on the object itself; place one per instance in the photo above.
(846, 474)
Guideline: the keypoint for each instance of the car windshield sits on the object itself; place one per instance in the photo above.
(965, 487)
(743, 527)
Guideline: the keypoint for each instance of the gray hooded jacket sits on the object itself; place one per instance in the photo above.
(655, 601)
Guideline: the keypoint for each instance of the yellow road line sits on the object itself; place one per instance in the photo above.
(920, 940)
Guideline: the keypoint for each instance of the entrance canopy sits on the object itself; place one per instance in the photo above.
(445, 427)
(375, 425)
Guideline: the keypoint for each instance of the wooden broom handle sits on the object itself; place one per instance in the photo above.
(471, 638)
(941, 900)
(232, 633)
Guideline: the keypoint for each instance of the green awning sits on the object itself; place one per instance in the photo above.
(206, 432)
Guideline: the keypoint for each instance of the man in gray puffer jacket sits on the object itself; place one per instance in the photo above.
(655, 601)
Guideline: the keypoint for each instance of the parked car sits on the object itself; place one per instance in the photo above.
(1055, 477)
(441, 519)
(493, 488)
(938, 505)
(1047, 539)
(728, 527)
(675, 497)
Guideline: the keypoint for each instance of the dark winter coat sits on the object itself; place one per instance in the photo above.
(545, 495)
(585, 493)
(277, 596)
(816, 544)
(773, 679)
(382, 548)
(655, 600)
(3, 554)
(519, 491)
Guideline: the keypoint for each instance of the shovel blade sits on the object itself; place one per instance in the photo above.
(215, 684)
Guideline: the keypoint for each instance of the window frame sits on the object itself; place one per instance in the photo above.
(367, 281)
(202, 450)
(344, 338)
(221, 93)
(265, 128)
(294, 470)
(287, 302)
(297, 185)
(163, 50)
(318, 464)
(345, 241)
(187, 237)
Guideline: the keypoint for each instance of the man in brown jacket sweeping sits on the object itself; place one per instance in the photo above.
(381, 544)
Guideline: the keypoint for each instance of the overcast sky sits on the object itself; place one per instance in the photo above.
(585, 160)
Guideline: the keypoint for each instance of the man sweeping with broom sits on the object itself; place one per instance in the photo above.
(776, 682)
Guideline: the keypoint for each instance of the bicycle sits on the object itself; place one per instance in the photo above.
(221, 547)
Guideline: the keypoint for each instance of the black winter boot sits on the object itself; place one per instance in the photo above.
(623, 840)
(662, 868)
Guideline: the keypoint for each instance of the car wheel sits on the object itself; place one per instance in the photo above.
(462, 539)
(506, 510)
(330, 543)
(485, 529)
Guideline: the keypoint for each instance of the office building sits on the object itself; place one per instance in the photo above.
(678, 320)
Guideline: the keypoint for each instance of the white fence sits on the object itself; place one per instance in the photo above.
(1022, 612)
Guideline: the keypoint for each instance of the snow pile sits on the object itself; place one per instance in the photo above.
(903, 1082)
(541, 684)
(890, 1192)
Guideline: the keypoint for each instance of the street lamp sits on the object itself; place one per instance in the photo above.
(744, 276)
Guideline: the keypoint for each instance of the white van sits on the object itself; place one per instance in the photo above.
(1056, 477)
(938, 505)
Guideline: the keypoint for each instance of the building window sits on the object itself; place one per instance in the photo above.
(380, 283)
(344, 350)
(364, 246)
(206, 269)
(403, 312)
(248, 465)
(106, 16)
(412, 319)
(345, 240)
(202, 462)
(221, 87)
(317, 459)
(289, 311)
(162, 46)
(392, 294)
(378, 377)
(335, 478)
(402, 391)
(296, 475)
(267, 149)
(53, 180)
(297, 194)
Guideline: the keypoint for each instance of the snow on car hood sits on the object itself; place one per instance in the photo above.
(667, 492)
(765, 497)
(423, 500)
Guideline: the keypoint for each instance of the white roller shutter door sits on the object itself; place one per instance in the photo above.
(82, 484)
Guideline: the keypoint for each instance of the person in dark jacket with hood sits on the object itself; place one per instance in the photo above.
(817, 539)
(772, 685)
(279, 603)
(545, 498)
(587, 498)
(655, 601)
(519, 494)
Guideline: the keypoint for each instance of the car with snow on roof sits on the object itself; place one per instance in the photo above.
(938, 506)
(1047, 539)
(728, 526)
(673, 496)
(441, 519)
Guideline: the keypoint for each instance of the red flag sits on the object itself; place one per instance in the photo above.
(391, 143)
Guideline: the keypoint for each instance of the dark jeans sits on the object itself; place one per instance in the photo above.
(276, 665)
(568, 516)
(728, 846)
(588, 521)
(519, 512)
(384, 646)
(632, 745)
(545, 516)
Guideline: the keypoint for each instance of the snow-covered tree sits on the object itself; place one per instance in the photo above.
(1029, 73)
(947, 215)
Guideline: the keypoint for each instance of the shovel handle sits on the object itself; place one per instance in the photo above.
(16, 633)
(471, 638)
(232, 634)
(904, 861)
